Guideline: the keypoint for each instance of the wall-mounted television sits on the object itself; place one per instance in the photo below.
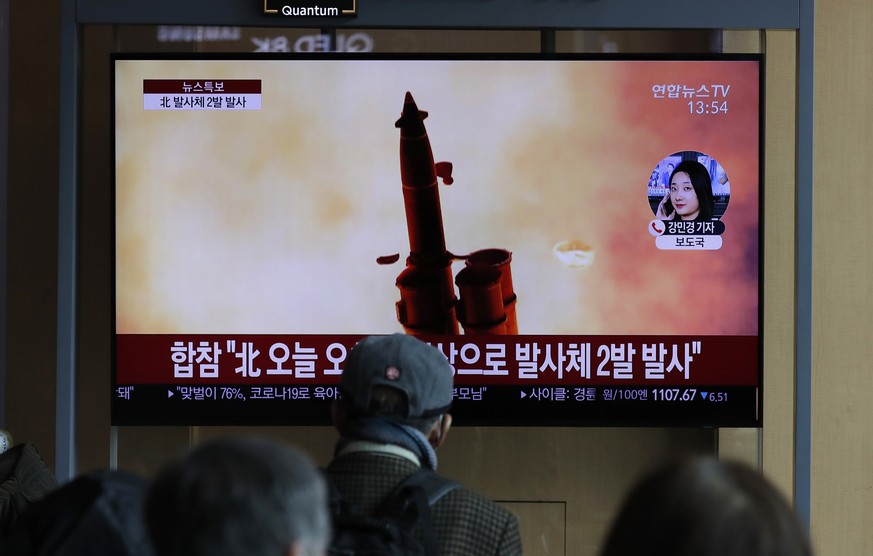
(580, 235)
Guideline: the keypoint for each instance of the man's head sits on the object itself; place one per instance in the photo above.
(239, 496)
(397, 377)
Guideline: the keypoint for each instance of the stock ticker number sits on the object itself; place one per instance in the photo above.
(687, 395)
(674, 394)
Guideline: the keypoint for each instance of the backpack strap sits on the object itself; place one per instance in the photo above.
(434, 486)
(410, 502)
(337, 503)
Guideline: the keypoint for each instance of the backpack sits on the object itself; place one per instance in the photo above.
(391, 530)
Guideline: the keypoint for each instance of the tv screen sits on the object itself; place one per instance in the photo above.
(579, 235)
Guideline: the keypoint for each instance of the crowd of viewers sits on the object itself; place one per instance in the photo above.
(246, 495)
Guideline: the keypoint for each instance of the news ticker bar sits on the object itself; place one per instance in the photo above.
(630, 405)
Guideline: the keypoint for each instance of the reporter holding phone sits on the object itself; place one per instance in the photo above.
(690, 196)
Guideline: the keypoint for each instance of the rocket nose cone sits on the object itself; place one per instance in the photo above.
(409, 106)
(411, 115)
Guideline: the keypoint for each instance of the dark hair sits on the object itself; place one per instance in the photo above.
(705, 507)
(238, 495)
(702, 182)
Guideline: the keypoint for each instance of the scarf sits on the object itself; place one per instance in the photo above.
(384, 431)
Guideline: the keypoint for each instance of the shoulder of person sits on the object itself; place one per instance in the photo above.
(463, 495)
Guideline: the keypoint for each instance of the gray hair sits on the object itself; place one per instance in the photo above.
(236, 496)
(390, 404)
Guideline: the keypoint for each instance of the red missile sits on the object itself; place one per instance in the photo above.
(428, 304)
(427, 294)
(421, 196)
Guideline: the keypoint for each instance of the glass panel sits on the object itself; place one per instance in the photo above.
(181, 38)
(189, 38)
(686, 41)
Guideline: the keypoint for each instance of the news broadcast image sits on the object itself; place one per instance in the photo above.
(263, 225)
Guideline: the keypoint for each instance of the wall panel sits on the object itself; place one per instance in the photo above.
(779, 258)
(842, 350)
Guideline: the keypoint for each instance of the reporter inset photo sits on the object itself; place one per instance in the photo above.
(689, 185)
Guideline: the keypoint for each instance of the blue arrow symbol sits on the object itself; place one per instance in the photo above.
(523, 395)
(703, 395)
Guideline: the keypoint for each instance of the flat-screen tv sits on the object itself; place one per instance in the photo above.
(580, 235)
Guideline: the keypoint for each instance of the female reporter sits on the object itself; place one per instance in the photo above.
(690, 196)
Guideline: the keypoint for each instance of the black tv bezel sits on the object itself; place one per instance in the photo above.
(312, 413)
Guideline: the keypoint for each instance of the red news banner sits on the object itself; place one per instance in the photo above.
(477, 360)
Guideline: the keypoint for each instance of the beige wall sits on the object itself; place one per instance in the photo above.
(777, 451)
(842, 349)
